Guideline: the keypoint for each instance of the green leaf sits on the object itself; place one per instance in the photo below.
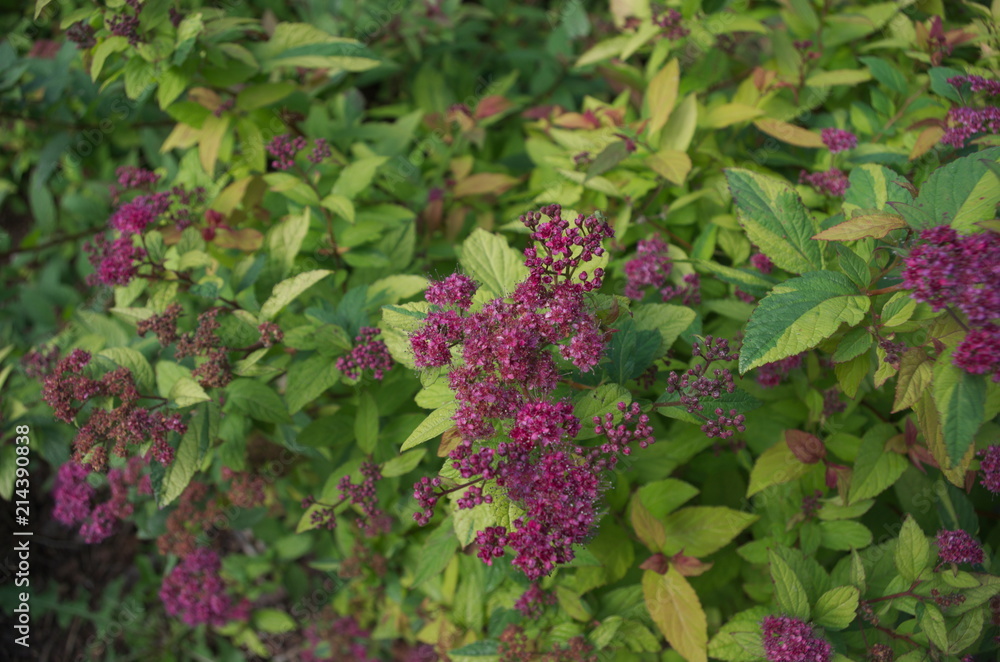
(836, 608)
(340, 205)
(898, 310)
(873, 187)
(838, 77)
(104, 49)
(308, 379)
(403, 464)
(701, 530)
(661, 94)
(750, 281)
(788, 589)
(366, 423)
(287, 290)
(885, 73)
(8, 471)
(172, 83)
(960, 398)
(284, 240)
(798, 315)
(256, 400)
(855, 342)
(201, 432)
(492, 263)
(273, 620)
(436, 553)
(775, 219)
(597, 402)
(912, 549)
(676, 610)
(932, 624)
(437, 422)
(875, 469)
(609, 157)
(357, 176)
(257, 96)
(961, 193)
(775, 466)
(739, 640)
(663, 497)
(965, 632)
(186, 392)
(876, 225)
(667, 320)
(631, 350)
(844, 535)
(135, 362)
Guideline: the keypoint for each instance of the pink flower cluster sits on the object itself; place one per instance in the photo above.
(284, 148)
(762, 263)
(695, 386)
(990, 466)
(788, 639)
(772, 374)
(346, 640)
(506, 377)
(965, 122)
(958, 547)
(124, 425)
(833, 182)
(367, 354)
(651, 267)
(196, 593)
(671, 22)
(961, 271)
(75, 498)
(838, 140)
(115, 261)
(534, 601)
(977, 84)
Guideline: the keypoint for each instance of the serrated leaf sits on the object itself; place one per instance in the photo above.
(965, 632)
(186, 392)
(960, 398)
(436, 423)
(875, 468)
(308, 379)
(865, 225)
(799, 314)
(256, 400)
(202, 428)
(788, 589)
(960, 193)
(135, 362)
(676, 610)
(661, 95)
(366, 423)
(789, 133)
(775, 219)
(932, 624)
(844, 535)
(701, 530)
(775, 466)
(898, 310)
(836, 608)
(288, 290)
(911, 550)
(493, 264)
(855, 342)
(873, 187)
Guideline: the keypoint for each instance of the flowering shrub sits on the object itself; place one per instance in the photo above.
(496, 332)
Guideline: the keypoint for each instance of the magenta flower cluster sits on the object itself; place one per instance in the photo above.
(696, 386)
(958, 547)
(977, 84)
(124, 425)
(772, 374)
(671, 22)
(367, 354)
(946, 269)
(651, 267)
(534, 600)
(345, 638)
(833, 182)
(965, 122)
(503, 373)
(990, 466)
(76, 500)
(196, 593)
(788, 639)
(115, 261)
(284, 148)
(838, 140)
(762, 263)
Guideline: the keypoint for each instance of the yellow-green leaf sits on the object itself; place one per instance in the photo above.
(670, 164)
(789, 133)
(677, 611)
(661, 96)
(867, 225)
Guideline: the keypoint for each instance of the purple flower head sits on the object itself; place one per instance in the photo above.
(958, 547)
(195, 592)
(762, 263)
(455, 290)
(838, 140)
(990, 466)
(772, 374)
(976, 84)
(832, 182)
(788, 639)
(367, 354)
(114, 261)
(81, 34)
(72, 494)
(320, 152)
(965, 122)
(284, 148)
(650, 267)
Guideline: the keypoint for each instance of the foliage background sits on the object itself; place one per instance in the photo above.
(447, 121)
